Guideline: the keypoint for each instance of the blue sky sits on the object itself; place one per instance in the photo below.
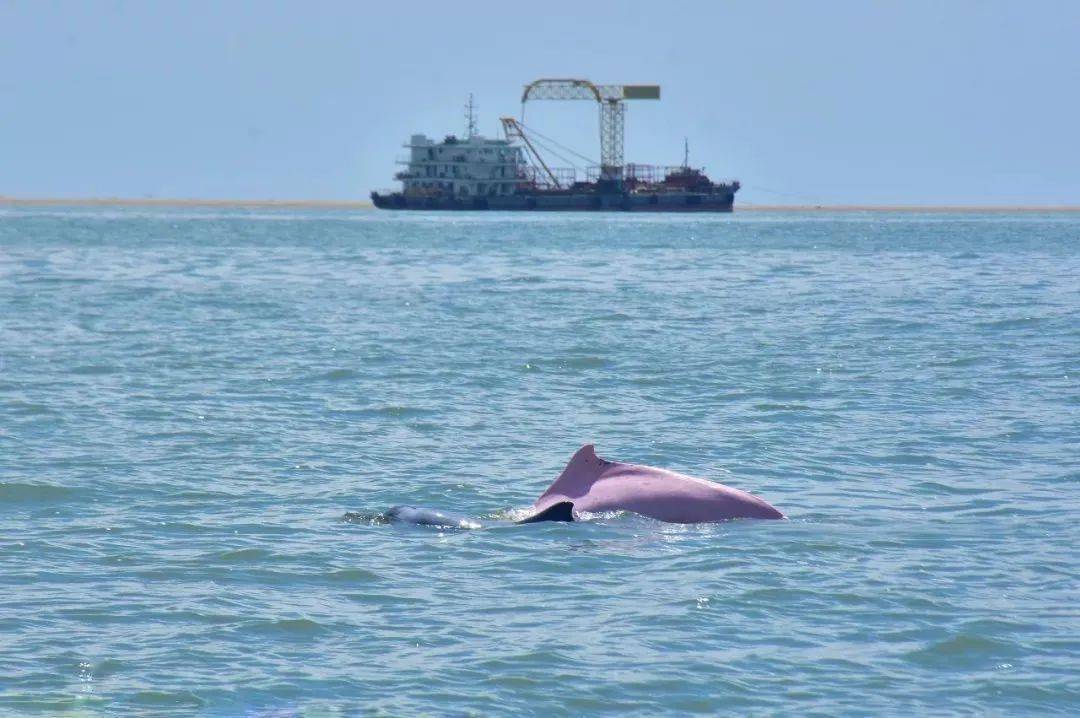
(805, 102)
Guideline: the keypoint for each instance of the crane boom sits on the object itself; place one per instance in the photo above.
(612, 112)
(513, 130)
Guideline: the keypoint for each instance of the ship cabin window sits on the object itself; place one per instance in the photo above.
(480, 188)
(431, 154)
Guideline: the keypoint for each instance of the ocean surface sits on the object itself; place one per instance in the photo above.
(191, 400)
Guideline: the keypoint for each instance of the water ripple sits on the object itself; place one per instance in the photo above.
(205, 413)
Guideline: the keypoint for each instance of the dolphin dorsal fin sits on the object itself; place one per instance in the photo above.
(583, 470)
(562, 511)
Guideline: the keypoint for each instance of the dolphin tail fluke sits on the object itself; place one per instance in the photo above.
(562, 511)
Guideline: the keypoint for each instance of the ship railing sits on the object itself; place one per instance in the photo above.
(651, 173)
(564, 177)
(643, 174)
(593, 173)
(455, 162)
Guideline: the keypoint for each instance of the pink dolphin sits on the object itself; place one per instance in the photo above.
(594, 484)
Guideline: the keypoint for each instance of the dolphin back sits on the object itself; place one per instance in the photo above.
(597, 485)
(428, 517)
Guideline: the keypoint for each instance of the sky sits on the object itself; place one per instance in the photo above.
(861, 102)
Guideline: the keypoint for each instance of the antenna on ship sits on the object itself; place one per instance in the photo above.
(685, 152)
(470, 118)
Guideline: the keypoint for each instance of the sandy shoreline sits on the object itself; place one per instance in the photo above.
(134, 202)
(960, 208)
(364, 205)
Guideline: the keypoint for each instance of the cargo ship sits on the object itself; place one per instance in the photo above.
(512, 173)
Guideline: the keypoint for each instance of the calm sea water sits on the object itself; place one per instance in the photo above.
(190, 400)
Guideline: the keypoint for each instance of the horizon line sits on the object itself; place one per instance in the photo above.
(364, 204)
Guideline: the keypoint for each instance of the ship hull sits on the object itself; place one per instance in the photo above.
(568, 202)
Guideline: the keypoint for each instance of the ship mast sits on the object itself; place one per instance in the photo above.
(470, 118)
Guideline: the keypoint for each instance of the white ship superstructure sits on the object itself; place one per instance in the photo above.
(472, 167)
